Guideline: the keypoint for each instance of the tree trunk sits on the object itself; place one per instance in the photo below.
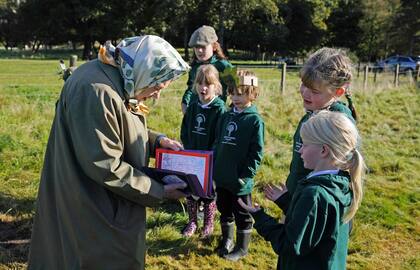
(186, 51)
(222, 20)
(87, 48)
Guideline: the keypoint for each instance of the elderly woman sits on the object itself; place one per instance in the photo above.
(92, 196)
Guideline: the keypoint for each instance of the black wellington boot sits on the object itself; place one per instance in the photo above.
(226, 243)
(241, 248)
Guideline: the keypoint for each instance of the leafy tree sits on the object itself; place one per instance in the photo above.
(405, 28)
(375, 25)
(10, 34)
(344, 25)
(306, 21)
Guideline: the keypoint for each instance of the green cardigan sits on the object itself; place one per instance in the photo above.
(313, 235)
(238, 150)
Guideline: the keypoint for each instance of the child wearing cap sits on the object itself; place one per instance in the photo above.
(206, 51)
(238, 154)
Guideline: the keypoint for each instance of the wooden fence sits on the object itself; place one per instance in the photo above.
(368, 71)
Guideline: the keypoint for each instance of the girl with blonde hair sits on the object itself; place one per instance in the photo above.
(315, 232)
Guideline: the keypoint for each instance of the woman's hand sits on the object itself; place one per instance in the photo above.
(249, 208)
(173, 192)
(165, 142)
(273, 192)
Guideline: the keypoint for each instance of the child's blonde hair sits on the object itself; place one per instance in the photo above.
(340, 134)
(329, 69)
(208, 74)
(250, 90)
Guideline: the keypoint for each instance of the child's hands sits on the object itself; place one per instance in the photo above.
(249, 208)
(273, 192)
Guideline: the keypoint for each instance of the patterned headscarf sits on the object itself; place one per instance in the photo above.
(144, 62)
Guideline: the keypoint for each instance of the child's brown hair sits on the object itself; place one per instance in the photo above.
(330, 68)
(252, 90)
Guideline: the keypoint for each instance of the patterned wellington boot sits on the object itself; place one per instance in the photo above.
(209, 213)
(190, 228)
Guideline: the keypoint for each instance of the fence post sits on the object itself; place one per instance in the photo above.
(396, 75)
(283, 78)
(375, 73)
(409, 74)
(73, 60)
(358, 70)
(418, 73)
(365, 77)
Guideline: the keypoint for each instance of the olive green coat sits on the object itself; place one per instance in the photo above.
(92, 196)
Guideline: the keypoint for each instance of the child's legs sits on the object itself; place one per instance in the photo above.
(242, 217)
(224, 205)
(192, 207)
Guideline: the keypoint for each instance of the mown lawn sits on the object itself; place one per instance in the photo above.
(386, 231)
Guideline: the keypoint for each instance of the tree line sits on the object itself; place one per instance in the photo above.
(370, 29)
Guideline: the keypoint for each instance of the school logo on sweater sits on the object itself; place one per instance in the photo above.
(200, 119)
(230, 138)
(298, 145)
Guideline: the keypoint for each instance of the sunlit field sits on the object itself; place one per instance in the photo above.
(386, 232)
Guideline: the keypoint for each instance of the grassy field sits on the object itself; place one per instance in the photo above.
(386, 231)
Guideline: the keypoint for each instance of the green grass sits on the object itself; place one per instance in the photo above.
(386, 233)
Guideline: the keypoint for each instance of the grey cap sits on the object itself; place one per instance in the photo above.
(203, 36)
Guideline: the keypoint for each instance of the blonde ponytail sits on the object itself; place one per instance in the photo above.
(356, 170)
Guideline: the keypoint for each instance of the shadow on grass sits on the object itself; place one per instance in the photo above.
(180, 246)
(12, 206)
(168, 213)
(167, 221)
(14, 240)
(15, 228)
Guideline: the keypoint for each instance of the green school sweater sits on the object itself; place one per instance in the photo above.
(313, 235)
(297, 171)
(238, 150)
(198, 129)
(190, 95)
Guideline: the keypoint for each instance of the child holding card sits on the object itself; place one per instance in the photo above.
(238, 154)
(198, 133)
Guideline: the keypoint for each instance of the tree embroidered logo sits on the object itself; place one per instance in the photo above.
(230, 128)
(200, 119)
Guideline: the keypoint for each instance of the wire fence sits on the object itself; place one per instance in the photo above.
(282, 77)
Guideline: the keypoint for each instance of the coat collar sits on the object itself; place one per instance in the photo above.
(115, 77)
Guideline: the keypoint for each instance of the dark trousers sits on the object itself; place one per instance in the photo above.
(230, 210)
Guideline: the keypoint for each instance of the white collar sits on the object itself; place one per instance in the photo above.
(235, 110)
(205, 106)
(312, 174)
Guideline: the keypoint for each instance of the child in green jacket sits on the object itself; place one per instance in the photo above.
(325, 77)
(206, 51)
(315, 232)
(238, 154)
(198, 131)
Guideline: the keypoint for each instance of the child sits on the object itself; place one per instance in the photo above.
(198, 133)
(206, 51)
(315, 232)
(238, 153)
(325, 78)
